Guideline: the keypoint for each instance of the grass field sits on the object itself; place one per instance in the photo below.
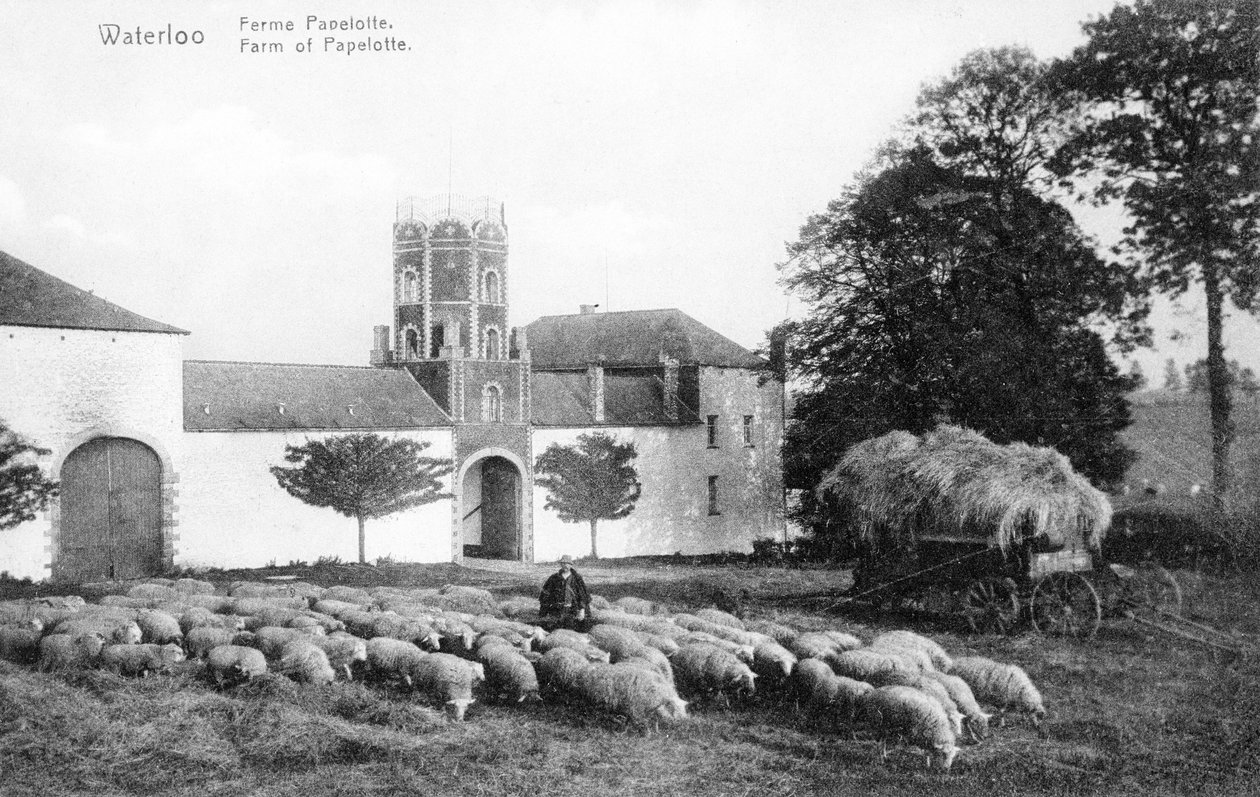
(1129, 714)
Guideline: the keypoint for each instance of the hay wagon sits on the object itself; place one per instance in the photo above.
(997, 535)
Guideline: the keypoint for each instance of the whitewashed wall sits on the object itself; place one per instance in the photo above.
(60, 388)
(674, 464)
(234, 514)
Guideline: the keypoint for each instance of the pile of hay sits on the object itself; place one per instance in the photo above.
(955, 482)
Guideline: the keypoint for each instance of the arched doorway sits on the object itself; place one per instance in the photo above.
(492, 509)
(110, 512)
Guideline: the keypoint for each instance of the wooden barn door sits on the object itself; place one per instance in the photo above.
(111, 512)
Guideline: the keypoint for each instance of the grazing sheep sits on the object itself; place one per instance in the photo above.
(199, 641)
(509, 675)
(777, 631)
(906, 713)
(252, 605)
(448, 679)
(976, 720)
(916, 656)
(1005, 686)
(230, 665)
(819, 645)
(638, 694)
(159, 628)
(622, 643)
(638, 622)
(220, 604)
(191, 586)
(745, 653)
(600, 602)
(336, 608)
(110, 629)
(473, 600)
(140, 659)
(343, 651)
(341, 592)
(393, 658)
(394, 625)
(870, 665)
(64, 651)
(557, 671)
(721, 618)
(197, 616)
(519, 606)
(664, 644)
(270, 639)
(306, 663)
(20, 644)
(632, 605)
(773, 663)
(703, 669)
(155, 592)
(820, 691)
(895, 640)
(573, 640)
(930, 687)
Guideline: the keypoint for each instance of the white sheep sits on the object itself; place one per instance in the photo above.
(639, 694)
(780, 632)
(393, 658)
(448, 679)
(199, 641)
(572, 640)
(140, 659)
(639, 622)
(343, 650)
(229, 665)
(703, 669)
(1005, 686)
(192, 586)
(623, 643)
(773, 663)
(820, 691)
(870, 665)
(632, 605)
(558, 671)
(906, 713)
(111, 629)
(930, 687)
(901, 640)
(64, 651)
(721, 618)
(155, 592)
(197, 616)
(304, 662)
(976, 720)
(745, 653)
(270, 639)
(819, 645)
(20, 644)
(509, 675)
(159, 627)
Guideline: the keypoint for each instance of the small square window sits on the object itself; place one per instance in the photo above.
(712, 428)
(748, 430)
(713, 496)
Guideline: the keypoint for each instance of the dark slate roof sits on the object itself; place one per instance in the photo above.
(632, 337)
(243, 396)
(562, 399)
(33, 298)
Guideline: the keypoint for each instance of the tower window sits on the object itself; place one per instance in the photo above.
(712, 430)
(413, 345)
(492, 404)
(409, 287)
(748, 430)
(713, 496)
(438, 341)
(492, 344)
(491, 288)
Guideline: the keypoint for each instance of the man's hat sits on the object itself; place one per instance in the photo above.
(566, 560)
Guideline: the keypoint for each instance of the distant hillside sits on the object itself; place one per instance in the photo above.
(1172, 434)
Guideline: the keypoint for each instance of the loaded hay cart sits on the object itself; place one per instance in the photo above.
(997, 535)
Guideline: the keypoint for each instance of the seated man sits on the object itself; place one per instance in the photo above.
(564, 601)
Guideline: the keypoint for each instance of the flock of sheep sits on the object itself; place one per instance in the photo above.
(638, 660)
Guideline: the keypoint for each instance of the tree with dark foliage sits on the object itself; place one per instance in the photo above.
(1170, 90)
(591, 481)
(363, 476)
(24, 490)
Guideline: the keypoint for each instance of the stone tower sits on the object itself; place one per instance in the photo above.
(451, 333)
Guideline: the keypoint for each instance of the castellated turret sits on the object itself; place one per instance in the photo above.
(451, 308)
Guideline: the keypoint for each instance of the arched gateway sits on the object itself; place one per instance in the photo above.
(490, 506)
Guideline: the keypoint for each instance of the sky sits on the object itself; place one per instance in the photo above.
(648, 154)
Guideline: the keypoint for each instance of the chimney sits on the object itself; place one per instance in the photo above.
(380, 345)
(670, 379)
(595, 389)
(587, 309)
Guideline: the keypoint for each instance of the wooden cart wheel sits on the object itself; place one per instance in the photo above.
(1152, 589)
(1066, 604)
(990, 605)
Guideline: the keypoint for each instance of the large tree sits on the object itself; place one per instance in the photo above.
(590, 481)
(1170, 90)
(936, 295)
(24, 489)
(363, 476)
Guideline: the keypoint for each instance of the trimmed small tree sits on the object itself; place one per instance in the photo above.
(590, 481)
(363, 476)
(24, 489)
